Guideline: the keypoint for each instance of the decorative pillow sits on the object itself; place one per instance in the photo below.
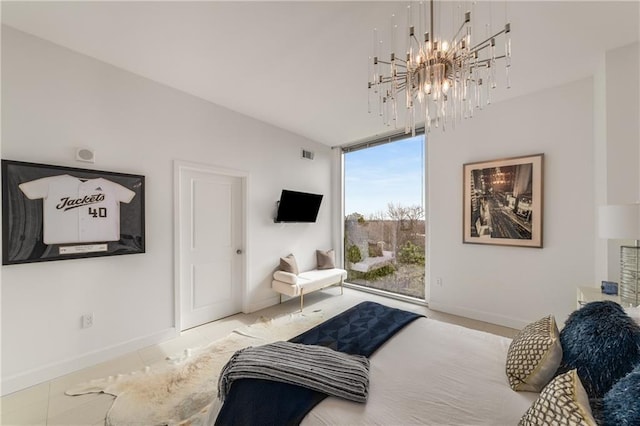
(326, 259)
(534, 355)
(288, 264)
(562, 402)
(622, 402)
(375, 250)
(603, 343)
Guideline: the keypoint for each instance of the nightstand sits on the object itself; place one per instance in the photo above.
(593, 294)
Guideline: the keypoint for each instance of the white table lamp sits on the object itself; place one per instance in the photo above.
(622, 222)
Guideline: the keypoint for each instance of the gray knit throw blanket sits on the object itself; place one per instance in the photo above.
(315, 367)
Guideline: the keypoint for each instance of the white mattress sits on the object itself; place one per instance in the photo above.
(433, 373)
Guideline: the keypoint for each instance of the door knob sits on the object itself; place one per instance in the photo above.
(239, 251)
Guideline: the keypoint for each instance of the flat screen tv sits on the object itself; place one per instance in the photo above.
(297, 206)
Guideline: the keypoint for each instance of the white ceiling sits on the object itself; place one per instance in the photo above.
(301, 65)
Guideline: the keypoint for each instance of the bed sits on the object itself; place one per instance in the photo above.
(433, 373)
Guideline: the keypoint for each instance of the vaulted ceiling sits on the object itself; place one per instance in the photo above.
(302, 65)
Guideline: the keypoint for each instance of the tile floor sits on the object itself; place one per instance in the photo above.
(46, 403)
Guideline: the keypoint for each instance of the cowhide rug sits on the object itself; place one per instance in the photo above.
(181, 391)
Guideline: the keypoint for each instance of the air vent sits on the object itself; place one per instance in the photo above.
(307, 154)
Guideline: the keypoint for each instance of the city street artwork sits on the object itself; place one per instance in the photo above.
(503, 201)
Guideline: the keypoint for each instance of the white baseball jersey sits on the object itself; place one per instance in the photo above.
(78, 210)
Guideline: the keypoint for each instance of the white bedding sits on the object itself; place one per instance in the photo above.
(433, 373)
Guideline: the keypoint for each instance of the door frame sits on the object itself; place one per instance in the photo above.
(178, 167)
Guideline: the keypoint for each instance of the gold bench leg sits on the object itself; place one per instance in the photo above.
(301, 299)
(341, 287)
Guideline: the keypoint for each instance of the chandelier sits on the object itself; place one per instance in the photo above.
(438, 80)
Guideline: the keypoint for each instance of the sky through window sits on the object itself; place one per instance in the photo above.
(389, 173)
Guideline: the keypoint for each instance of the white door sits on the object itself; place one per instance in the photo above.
(209, 241)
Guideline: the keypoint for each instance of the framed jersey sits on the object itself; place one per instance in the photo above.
(52, 213)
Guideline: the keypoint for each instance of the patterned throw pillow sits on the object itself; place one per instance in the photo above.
(326, 259)
(534, 355)
(562, 402)
(289, 264)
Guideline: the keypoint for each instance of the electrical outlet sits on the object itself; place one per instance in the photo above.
(439, 281)
(87, 320)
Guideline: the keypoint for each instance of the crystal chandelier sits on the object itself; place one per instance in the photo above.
(439, 80)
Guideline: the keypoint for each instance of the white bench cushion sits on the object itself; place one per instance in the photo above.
(292, 285)
(325, 275)
(285, 277)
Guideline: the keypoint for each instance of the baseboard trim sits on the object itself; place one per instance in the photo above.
(253, 307)
(38, 375)
(489, 317)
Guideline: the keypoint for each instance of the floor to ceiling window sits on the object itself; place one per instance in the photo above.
(384, 223)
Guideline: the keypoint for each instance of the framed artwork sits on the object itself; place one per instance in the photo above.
(55, 213)
(503, 201)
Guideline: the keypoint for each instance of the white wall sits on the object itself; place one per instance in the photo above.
(590, 135)
(600, 165)
(514, 285)
(622, 145)
(54, 100)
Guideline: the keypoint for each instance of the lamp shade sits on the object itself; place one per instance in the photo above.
(619, 222)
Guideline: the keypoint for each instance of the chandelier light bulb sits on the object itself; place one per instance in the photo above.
(445, 46)
(445, 86)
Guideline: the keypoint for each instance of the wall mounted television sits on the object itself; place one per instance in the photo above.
(297, 206)
(54, 213)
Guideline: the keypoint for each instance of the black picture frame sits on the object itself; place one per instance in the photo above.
(69, 213)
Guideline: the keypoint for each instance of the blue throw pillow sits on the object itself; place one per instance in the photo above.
(622, 402)
(603, 343)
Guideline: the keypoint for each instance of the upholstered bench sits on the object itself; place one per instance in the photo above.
(291, 283)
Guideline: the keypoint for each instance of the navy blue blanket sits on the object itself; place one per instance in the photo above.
(360, 330)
